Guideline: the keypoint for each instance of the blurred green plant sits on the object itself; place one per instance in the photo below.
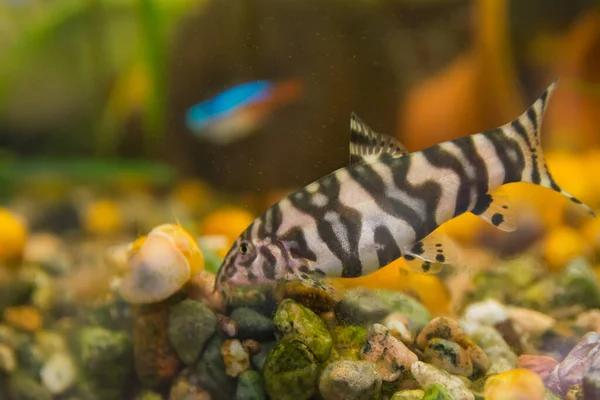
(39, 174)
(99, 62)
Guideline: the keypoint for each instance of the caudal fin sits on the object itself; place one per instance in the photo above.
(526, 130)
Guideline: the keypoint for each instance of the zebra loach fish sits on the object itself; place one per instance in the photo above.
(388, 203)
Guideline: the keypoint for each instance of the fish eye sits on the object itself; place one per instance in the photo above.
(244, 247)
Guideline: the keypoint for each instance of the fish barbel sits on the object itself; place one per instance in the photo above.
(388, 203)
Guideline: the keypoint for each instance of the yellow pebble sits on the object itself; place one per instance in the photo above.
(516, 384)
(13, 235)
(103, 217)
(561, 245)
(23, 317)
(228, 221)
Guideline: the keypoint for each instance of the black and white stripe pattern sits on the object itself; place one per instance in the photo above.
(364, 216)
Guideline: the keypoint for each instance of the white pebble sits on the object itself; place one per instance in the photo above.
(58, 373)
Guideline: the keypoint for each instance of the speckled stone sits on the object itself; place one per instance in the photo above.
(390, 356)
(501, 357)
(210, 371)
(350, 380)
(235, 357)
(428, 375)
(448, 356)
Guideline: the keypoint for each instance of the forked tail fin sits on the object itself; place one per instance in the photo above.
(526, 130)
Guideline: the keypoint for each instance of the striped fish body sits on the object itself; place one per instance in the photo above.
(387, 204)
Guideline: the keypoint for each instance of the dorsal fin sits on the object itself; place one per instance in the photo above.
(367, 146)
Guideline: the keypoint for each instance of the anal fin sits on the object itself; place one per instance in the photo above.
(496, 209)
(430, 253)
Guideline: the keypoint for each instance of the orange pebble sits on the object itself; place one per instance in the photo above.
(227, 221)
(13, 235)
(103, 217)
(26, 318)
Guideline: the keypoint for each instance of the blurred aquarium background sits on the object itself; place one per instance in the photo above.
(120, 116)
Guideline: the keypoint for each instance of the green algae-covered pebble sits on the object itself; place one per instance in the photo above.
(290, 371)
(292, 320)
(417, 314)
(191, 324)
(250, 387)
(350, 380)
(415, 394)
(348, 341)
(437, 392)
(106, 358)
(148, 395)
(252, 325)
(578, 285)
(23, 387)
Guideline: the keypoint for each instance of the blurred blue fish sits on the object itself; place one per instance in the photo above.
(237, 112)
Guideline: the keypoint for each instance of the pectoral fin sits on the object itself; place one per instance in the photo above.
(418, 265)
(429, 254)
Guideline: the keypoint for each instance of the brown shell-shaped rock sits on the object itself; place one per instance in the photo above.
(155, 359)
(440, 327)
